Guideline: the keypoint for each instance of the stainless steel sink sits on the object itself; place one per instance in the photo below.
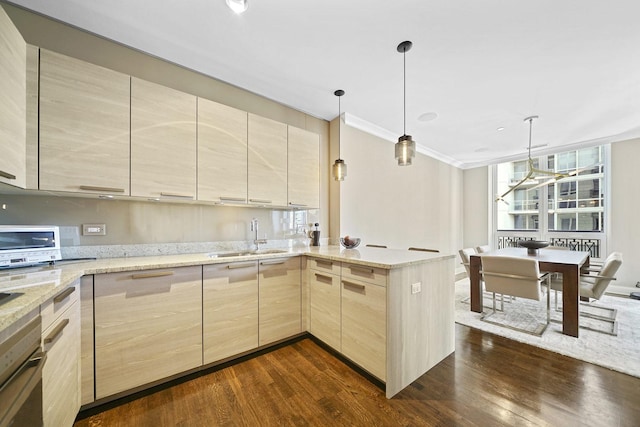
(247, 253)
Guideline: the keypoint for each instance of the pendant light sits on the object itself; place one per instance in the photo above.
(339, 166)
(533, 172)
(405, 147)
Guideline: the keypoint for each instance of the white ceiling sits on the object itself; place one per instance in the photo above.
(478, 64)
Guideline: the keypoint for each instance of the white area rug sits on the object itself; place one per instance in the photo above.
(620, 353)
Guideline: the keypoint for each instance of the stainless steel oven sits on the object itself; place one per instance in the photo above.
(21, 363)
(22, 245)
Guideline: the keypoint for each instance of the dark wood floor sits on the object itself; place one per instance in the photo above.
(488, 381)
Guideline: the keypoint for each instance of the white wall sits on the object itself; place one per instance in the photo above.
(476, 207)
(383, 203)
(625, 213)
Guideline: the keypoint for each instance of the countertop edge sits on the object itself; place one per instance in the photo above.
(71, 272)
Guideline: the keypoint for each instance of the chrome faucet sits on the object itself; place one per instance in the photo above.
(256, 240)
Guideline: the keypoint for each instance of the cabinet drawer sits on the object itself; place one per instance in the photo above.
(148, 326)
(52, 309)
(364, 326)
(60, 376)
(324, 311)
(377, 276)
(280, 296)
(230, 309)
(327, 266)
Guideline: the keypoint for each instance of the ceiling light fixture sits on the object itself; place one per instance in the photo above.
(339, 166)
(405, 147)
(554, 176)
(238, 6)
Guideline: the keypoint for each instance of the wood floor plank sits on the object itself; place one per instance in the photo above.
(489, 380)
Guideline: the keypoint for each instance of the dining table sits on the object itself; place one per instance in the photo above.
(569, 263)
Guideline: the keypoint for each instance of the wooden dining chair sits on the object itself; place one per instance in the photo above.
(515, 276)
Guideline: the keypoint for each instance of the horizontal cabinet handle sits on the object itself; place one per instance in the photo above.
(300, 205)
(362, 270)
(327, 264)
(353, 286)
(56, 331)
(234, 266)
(102, 189)
(176, 195)
(233, 199)
(7, 175)
(271, 262)
(260, 201)
(63, 295)
(323, 278)
(150, 275)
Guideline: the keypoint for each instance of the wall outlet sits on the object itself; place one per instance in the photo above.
(416, 287)
(94, 229)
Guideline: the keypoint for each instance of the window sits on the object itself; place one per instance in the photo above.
(568, 212)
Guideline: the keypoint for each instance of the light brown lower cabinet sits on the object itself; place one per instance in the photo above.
(148, 326)
(324, 311)
(364, 338)
(87, 392)
(61, 372)
(280, 294)
(230, 309)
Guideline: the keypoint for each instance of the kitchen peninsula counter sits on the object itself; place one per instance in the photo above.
(37, 284)
(419, 295)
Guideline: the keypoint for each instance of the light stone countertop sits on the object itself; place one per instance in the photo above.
(33, 286)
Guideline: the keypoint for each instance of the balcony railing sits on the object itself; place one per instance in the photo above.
(591, 245)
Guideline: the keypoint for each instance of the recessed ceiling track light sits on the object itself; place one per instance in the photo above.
(238, 6)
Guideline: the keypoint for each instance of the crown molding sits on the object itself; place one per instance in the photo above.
(380, 132)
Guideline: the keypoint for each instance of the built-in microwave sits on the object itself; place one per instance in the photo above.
(22, 245)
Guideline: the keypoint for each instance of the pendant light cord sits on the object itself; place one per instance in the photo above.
(530, 131)
(339, 113)
(404, 91)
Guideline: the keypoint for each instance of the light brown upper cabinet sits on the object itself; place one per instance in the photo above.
(222, 153)
(163, 142)
(267, 180)
(84, 126)
(303, 183)
(13, 121)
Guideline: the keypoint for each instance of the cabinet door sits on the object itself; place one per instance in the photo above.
(364, 325)
(13, 87)
(148, 326)
(86, 341)
(61, 373)
(222, 153)
(84, 126)
(303, 181)
(324, 313)
(230, 309)
(163, 142)
(267, 180)
(280, 299)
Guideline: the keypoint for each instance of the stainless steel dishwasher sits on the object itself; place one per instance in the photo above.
(21, 362)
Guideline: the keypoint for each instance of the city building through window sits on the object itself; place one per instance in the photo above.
(568, 212)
